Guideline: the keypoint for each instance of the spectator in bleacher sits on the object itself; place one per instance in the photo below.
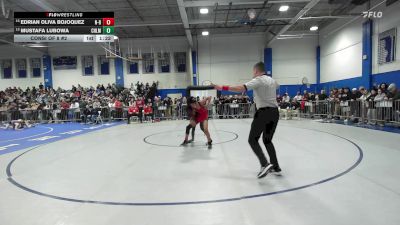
(97, 104)
(355, 94)
(306, 95)
(364, 94)
(285, 101)
(383, 87)
(118, 109)
(279, 99)
(311, 96)
(393, 93)
(298, 96)
(380, 96)
(133, 110)
(85, 114)
(322, 96)
(371, 113)
(295, 104)
(148, 112)
(346, 95)
(380, 107)
(140, 104)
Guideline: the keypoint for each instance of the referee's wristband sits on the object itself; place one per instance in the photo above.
(225, 88)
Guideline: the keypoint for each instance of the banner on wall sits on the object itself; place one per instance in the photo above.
(64, 62)
(387, 46)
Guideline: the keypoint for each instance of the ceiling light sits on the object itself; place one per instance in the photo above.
(36, 45)
(252, 13)
(205, 33)
(203, 11)
(313, 28)
(283, 8)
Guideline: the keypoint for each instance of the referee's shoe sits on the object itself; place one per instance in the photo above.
(264, 171)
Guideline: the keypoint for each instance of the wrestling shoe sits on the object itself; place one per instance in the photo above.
(209, 144)
(185, 142)
(264, 171)
(276, 170)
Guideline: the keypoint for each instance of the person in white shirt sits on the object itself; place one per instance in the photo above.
(286, 98)
(266, 117)
(298, 97)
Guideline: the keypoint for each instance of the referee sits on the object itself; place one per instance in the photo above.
(266, 117)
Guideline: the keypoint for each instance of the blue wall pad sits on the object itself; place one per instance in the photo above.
(47, 71)
(119, 72)
(318, 64)
(367, 53)
(268, 61)
(194, 67)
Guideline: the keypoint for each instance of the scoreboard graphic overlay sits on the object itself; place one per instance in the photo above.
(63, 27)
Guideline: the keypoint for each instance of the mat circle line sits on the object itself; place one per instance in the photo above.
(236, 136)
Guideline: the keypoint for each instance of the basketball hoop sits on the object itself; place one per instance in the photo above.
(134, 57)
(112, 49)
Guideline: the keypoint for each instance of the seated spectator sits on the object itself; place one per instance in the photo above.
(148, 112)
(133, 110)
(86, 114)
(298, 96)
(285, 101)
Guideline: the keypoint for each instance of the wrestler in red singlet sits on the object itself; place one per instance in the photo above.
(202, 114)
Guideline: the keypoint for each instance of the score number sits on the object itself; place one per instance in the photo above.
(108, 21)
(108, 25)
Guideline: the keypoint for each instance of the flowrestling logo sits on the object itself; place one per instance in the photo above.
(372, 14)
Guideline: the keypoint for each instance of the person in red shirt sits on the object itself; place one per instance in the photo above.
(64, 109)
(140, 105)
(133, 110)
(148, 111)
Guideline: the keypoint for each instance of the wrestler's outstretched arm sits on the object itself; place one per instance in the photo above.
(206, 101)
(237, 88)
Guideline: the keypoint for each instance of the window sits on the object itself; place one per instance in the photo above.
(21, 65)
(164, 62)
(148, 63)
(180, 62)
(104, 65)
(87, 65)
(6, 68)
(36, 67)
(133, 65)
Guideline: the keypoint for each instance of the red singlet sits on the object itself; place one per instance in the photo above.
(202, 114)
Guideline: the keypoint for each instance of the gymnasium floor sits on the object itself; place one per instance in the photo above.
(138, 174)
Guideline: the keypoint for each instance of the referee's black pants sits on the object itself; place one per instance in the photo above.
(264, 122)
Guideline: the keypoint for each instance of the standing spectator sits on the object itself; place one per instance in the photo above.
(118, 109)
(379, 99)
(140, 104)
